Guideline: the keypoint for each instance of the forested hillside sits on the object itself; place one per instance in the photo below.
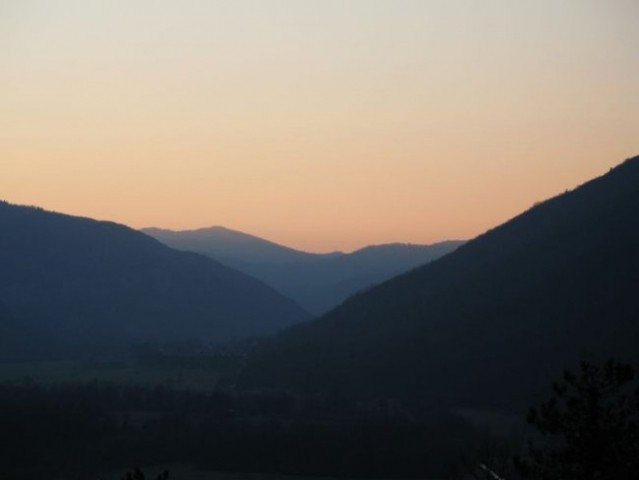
(491, 322)
(74, 285)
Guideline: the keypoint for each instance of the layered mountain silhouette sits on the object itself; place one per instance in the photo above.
(318, 282)
(70, 284)
(490, 324)
(232, 246)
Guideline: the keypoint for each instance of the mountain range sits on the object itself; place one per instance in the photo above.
(318, 282)
(491, 324)
(77, 285)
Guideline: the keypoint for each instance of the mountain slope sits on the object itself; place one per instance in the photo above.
(322, 285)
(76, 284)
(230, 246)
(6, 329)
(318, 282)
(493, 321)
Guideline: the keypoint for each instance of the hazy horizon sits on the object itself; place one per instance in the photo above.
(321, 126)
(494, 143)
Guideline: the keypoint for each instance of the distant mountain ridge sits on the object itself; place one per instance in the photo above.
(226, 244)
(77, 284)
(318, 282)
(492, 323)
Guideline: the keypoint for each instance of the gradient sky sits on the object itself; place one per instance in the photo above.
(318, 124)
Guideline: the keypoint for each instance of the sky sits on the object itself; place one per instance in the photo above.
(323, 125)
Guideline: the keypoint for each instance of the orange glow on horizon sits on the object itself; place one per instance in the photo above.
(319, 125)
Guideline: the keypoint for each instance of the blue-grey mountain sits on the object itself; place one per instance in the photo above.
(74, 284)
(318, 282)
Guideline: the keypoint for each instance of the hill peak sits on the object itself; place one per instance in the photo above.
(506, 312)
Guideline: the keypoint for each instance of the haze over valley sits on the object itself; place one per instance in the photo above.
(318, 282)
(505, 312)
(317, 239)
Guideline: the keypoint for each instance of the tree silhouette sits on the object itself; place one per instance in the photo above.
(590, 427)
(137, 474)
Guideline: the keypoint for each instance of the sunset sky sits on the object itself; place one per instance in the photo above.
(320, 124)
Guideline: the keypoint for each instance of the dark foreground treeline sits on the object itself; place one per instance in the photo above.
(76, 431)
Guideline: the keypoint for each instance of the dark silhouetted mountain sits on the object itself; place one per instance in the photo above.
(4, 314)
(78, 284)
(491, 323)
(7, 329)
(318, 282)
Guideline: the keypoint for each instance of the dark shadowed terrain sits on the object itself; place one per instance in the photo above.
(72, 285)
(424, 376)
(490, 323)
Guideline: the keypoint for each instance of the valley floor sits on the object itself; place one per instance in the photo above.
(187, 472)
(122, 373)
